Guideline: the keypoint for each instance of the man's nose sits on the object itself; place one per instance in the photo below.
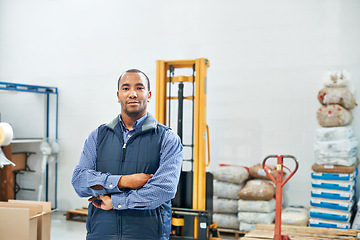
(133, 94)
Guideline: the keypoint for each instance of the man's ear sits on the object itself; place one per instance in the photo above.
(117, 94)
(149, 96)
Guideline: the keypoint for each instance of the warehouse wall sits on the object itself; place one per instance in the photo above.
(267, 62)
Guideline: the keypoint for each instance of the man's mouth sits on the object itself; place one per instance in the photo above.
(132, 102)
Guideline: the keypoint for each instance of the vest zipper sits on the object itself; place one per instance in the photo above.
(130, 140)
(124, 151)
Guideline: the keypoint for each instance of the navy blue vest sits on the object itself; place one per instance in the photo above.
(142, 155)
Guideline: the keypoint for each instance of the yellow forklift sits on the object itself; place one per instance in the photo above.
(181, 84)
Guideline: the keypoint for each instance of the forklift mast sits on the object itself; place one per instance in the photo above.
(194, 207)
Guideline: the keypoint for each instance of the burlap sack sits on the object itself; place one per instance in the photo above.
(333, 116)
(341, 96)
(257, 190)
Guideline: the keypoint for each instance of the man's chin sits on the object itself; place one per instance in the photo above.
(134, 113)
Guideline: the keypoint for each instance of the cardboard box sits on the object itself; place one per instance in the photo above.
(43, 221)
(18, 221)
(20, 161)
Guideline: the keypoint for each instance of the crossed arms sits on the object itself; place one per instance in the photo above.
(146, 191)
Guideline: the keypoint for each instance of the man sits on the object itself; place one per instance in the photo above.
(130, 169)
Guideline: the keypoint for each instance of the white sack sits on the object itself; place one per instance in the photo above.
(226, 220)
(246, 227)
(256, 206)
(233, 174)
(227, 190)
(256, 217)
(222, 205)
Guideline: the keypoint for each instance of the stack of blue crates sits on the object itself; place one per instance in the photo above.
(332, 199)
(333, 188)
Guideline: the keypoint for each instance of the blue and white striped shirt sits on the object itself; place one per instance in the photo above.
(160, 188)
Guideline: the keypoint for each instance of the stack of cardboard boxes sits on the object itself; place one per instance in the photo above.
(25, 220)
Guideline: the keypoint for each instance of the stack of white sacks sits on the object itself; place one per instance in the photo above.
(335, 167)
(229, 180)
(257, 203)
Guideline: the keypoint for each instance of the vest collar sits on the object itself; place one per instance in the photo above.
(149, 123)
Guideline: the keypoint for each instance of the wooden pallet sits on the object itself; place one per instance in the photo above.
(78, 214)
(266, 231)
(230, 233)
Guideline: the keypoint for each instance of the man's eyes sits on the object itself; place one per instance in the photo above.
(138, 88)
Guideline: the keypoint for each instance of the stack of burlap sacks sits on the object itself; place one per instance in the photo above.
(228, 182)
(335, 167)
(243, 197)
(257, 203)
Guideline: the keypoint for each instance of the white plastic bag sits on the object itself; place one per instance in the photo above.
(295, 216)
(346, 144)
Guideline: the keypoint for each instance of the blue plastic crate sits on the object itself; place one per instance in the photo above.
(329, 214)
(328, 224)
(335, 185)
(334, 176)
(332, 194)
(332, 204)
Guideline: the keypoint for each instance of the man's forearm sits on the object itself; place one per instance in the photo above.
(88, 182)
(134, 181)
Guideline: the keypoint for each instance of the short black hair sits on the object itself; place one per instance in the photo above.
(133, 70)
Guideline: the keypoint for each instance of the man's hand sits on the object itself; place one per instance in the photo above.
(106, 202)
(134, 181)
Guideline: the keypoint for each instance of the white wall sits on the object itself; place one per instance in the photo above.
(267, 61)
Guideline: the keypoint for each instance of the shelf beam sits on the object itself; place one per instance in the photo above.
(27, 88)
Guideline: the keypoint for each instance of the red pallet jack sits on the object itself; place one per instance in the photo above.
(279, 183)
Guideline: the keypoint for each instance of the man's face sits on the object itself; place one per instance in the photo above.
(133, 94)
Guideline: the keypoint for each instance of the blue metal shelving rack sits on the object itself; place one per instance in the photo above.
(47, 91)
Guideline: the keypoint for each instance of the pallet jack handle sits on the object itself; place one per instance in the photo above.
(279, 183)
(279, 168)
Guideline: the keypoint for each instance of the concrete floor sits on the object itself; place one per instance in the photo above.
(74, 230)
(63, 229)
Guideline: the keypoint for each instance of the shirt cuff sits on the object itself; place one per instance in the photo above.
(119, 201)
(111, 184)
